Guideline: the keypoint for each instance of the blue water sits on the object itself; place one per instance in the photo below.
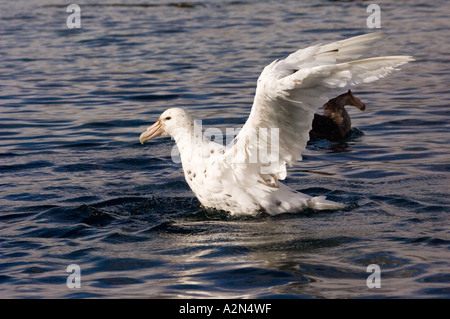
(76, 186)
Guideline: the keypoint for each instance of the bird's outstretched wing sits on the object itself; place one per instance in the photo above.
(288, 93)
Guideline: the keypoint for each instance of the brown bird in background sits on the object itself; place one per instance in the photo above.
(335, 122)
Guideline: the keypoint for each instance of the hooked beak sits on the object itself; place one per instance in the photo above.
(356, 102)
(153, 131)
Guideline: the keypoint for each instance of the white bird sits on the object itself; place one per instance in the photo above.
(244, 177)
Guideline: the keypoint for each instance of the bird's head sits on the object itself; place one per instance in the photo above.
(170, 121)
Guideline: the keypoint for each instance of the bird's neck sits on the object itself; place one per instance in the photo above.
(191, 143)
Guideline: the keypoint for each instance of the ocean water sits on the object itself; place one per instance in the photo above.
(77, 187)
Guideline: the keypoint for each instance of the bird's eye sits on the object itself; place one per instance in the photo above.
(167, 118)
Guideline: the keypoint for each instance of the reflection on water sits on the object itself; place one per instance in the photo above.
(77, 186)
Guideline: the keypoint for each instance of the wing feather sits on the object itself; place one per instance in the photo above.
(288, 93)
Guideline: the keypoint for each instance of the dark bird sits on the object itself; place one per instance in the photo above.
(335, 122)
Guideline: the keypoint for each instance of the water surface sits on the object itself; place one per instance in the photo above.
(76, 187)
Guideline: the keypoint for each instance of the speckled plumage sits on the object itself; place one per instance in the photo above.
(244, 178)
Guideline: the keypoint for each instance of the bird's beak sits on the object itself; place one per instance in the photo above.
(356, 102)
(153, 131)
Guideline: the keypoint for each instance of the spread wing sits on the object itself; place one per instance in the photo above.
(288, 93)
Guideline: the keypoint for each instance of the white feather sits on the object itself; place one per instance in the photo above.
(289, 91)
(244, 178)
